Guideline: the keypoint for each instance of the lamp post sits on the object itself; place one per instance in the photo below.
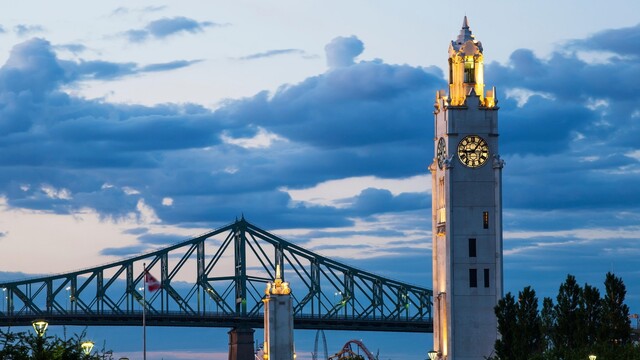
(87, 346)
(40, 327)
(4, 297)
(336, 294)
(592, 357)
(433, 355)
(68, 288)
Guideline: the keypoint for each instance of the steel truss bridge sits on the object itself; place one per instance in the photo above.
(218, 280)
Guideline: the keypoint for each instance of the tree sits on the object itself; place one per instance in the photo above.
(580, 323)
(519, 326)
(27, 346)
(547, 323)
(616, 324)
(566, 337)
(528, 326)
(591, 311)
(505, 311)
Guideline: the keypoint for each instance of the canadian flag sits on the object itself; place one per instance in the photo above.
(152, 283)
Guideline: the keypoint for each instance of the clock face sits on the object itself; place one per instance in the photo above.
(441, 153)
(473, 151)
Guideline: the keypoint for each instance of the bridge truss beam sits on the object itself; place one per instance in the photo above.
(217, 280)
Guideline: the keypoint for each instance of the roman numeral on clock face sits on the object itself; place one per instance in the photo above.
(473, 151)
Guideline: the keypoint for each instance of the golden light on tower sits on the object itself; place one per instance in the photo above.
(278, 319)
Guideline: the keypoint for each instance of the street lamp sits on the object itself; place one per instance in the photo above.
(87, 346)
(433, 355)
(592, 357)
(336, 294)
(40, 327)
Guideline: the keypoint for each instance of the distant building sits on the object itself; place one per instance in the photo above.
(467, 208)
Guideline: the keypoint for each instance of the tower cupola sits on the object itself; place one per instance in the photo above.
(466, 69)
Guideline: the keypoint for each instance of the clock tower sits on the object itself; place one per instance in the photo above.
(466, 207)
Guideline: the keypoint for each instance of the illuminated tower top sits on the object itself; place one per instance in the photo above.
(466, 69)
(278, 287)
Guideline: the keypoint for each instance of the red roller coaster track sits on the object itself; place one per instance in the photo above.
(348, 350)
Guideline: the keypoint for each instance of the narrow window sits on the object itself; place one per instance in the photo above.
(485, 220)
(473, 278)
(450, 72)
(486, 278)
(472, 247)
(469, 70)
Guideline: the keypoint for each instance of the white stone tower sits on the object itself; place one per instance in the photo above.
(278, 321)
(467, 208)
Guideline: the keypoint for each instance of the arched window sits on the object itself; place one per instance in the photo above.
(469, 70)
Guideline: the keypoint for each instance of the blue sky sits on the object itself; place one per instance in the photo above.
(126, 127)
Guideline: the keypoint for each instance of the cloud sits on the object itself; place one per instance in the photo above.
(358, 120)
(342, 51)
(623, 42)
(120, 11)
(125, 251)
(72, 48)
(173, 65)
(165, 27)
(376, 201)
(161, 239)
(25, 30)
(33, 68)
(137, 36)
(272, 53)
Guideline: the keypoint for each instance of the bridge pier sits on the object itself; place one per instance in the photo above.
(241, 344)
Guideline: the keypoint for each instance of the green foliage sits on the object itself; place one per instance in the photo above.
(28, 346)
(579, 324)
(520, 326)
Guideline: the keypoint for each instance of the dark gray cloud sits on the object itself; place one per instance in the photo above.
(165, 27)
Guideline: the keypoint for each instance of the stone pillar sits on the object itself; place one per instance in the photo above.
(278, 320)
(241, 344)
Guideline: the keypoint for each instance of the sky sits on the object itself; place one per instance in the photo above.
(126, 126)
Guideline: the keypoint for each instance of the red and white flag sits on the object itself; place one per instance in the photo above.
(152, 283)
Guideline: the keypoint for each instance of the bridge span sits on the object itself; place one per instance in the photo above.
(217, 280)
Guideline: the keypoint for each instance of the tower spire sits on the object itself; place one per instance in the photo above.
(465, 33)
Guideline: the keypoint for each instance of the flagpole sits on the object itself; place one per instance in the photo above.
(144, 314)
